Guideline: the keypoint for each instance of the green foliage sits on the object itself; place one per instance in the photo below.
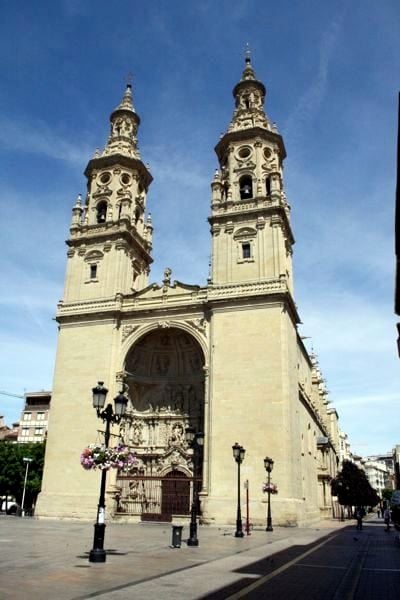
(13, 468)
(387, 494)
(352, 487)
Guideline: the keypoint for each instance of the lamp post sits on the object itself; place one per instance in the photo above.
(28, 462)
(196, 442)
(108, 416)
(269, 464)
(238, 455)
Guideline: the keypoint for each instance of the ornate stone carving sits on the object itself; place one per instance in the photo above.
(199, 324)
(167, 277)
(127, 330)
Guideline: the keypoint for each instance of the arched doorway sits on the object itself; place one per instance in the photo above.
(165, 375)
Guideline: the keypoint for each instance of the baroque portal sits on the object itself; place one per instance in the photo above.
(165, 376)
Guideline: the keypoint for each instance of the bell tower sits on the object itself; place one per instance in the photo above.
(251, 233)
(110, 241)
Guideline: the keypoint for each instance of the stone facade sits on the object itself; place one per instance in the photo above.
(225, 358)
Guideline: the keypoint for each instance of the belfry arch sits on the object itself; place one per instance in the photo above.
(164, 372)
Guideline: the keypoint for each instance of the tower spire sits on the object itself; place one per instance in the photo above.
(124, 126)
(248, 72)
(249, 94)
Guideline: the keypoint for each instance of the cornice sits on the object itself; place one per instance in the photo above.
(249, 134)
(305, 399)
(201, 300)
(110, 232)
(254, 209)
(121, 160)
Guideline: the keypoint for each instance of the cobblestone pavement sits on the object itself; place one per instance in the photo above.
(49, 559)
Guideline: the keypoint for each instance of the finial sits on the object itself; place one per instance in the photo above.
(126, 103)
(78, 202)
(248, 54)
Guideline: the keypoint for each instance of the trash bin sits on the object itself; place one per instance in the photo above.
(177, 536)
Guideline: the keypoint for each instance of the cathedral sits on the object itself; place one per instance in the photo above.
(224, 358)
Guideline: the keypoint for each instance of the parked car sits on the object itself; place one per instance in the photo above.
(10, 506)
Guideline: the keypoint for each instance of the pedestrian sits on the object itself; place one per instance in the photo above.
(378, 512)
(386, 517)
(359, 517)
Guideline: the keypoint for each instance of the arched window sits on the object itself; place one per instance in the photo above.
(137, 215)
(101, 213)
(268, 186)
(246, 187)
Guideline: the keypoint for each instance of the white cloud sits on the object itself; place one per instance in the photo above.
(38, 138)
(311, 100)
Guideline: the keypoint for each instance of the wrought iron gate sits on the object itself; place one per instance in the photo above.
(155, 498)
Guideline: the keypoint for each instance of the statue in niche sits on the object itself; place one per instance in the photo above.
(118, 127)
(177, 435)
(136, 433)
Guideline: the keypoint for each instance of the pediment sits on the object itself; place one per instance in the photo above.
(176, 288)
(245, 232)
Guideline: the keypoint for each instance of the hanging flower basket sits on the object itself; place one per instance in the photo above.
(272, 488)
(97, 456)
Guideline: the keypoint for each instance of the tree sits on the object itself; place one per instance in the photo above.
(352, 487)
(13, 468)
(387, 494)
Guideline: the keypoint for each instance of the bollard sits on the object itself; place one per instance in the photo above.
(177, 536)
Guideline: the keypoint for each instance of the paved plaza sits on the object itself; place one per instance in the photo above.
(49, 559)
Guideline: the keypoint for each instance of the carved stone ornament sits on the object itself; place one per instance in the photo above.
(167, 276)
(127, 330)
(199, 324)
(164, 324)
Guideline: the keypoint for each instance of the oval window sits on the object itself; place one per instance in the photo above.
(244, 152)
(267, 153)
(105, 177)
(125, 178)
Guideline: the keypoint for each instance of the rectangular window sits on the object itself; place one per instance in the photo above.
(27, 416)
(246, 250)
(25, 431)
(40, 416)
(93, 271)
(39, 431)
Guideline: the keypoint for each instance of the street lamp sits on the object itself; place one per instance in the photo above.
(108, 415)
(238, 455)
(28, 462)
(196, 442)
(269, 465)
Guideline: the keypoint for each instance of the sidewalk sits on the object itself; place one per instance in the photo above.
(49, 559)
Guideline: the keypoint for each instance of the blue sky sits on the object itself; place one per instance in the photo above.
(331, 71)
